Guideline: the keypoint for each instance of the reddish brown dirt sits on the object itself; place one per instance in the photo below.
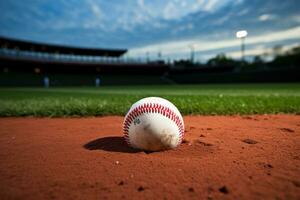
(248, 157)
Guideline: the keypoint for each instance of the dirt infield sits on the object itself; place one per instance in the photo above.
(237, 157)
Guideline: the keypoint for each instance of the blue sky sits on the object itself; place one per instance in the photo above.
(170, 26)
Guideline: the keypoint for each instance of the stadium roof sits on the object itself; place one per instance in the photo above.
(49, 48)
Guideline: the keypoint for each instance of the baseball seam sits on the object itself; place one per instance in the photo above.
(152, 108)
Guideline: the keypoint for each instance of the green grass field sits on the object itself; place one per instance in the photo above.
(218, 99)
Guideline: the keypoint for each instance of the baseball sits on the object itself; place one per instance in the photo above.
(153, 124)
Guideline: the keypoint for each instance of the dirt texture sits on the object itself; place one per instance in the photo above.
(221, 157)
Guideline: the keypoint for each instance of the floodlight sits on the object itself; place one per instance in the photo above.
(241, 34)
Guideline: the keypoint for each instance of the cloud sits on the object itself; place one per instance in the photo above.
(296, 18)
(183, 27)
(182, 47)
(243, 12)
(133, 15)
(169, 25)
(141, 3)
(222, 20)
(108, 16)
(175, 9)
(266, 17)
(95, 9)
(210, 5)
(171, 11)
(260, 50)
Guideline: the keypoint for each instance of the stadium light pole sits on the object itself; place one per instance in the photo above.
(242, 35)
(147, 57)
(192, 47)
(159, 55)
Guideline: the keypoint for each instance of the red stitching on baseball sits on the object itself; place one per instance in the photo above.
(152, 108)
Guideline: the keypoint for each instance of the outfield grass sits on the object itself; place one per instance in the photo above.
(190, 99)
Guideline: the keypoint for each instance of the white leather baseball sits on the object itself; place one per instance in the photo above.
(153, 124)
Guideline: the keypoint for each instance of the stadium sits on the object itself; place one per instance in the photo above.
(64, 66)
(93, 95)
(27, 64)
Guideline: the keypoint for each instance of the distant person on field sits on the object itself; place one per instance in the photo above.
(97, 82)
(46, 82)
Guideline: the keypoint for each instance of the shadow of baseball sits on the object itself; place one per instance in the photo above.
(112, 144)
